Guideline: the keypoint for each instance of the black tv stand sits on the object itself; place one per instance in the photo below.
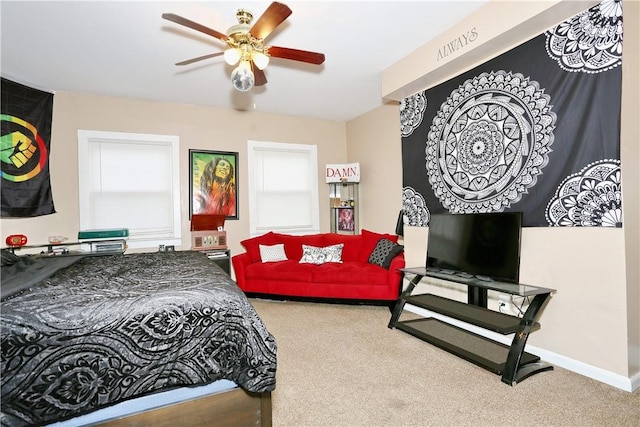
(477, 295)
(511, 362)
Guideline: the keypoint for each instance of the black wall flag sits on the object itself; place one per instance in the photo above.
(25, 124)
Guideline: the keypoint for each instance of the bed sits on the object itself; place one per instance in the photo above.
(84, 335)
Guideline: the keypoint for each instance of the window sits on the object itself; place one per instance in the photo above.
(130, 181)
(283, 188)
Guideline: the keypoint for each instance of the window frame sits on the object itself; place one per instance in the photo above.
(312, 151)
(86, 137)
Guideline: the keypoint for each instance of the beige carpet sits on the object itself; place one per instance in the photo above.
(339, 365)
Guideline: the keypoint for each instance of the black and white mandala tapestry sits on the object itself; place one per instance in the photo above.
(536, 130)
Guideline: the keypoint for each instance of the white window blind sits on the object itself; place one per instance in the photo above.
(130, 181)
(283, 188)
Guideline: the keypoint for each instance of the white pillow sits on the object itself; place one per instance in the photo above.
(314, 255)
(272, 253)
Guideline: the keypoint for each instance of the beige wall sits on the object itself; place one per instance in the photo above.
(592, 322)
(197, 127)
(374, 141)
(630, 153)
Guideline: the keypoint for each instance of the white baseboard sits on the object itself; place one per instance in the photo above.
(593, 372)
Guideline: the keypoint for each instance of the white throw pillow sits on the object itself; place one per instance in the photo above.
(272, 253)
(315, 255)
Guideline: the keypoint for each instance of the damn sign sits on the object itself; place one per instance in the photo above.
(349, 172)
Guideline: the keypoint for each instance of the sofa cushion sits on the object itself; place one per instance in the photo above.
(384, 252)
(369, 241)
(350, 273)
(252, 245)
(272, 253)
(287, 271)
(315, 255)
(352, 244)
(293, 244)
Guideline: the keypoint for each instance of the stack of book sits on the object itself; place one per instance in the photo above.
(112, 233)
(106, 240)
(108, 246)
(216, 254)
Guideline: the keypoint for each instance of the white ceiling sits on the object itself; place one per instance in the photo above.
(125, 49)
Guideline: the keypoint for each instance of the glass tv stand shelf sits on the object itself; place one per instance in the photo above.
(511, 362)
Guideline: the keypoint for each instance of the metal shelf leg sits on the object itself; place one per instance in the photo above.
(513, 372)
(397, 310)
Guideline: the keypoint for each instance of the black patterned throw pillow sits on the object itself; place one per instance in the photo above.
(384, 252)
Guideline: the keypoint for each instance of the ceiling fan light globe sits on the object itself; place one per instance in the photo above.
(242, 78)
(232, 56)
(260, 59)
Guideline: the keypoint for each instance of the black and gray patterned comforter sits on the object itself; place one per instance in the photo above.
(111, 328)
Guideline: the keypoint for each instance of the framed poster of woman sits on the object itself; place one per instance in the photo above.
(213, 179)
(346, 220)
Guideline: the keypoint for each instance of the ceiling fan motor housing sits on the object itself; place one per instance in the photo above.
(241, 38)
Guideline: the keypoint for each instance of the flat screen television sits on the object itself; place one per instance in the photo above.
(482, 244)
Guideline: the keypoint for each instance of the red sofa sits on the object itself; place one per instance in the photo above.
(354, 278)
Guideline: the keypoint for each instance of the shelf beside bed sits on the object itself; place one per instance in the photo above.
(85, 247)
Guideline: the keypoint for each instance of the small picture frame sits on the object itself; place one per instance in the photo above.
(213, 183)
(346, 220)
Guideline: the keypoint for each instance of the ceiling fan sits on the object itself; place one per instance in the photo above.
(246, 45)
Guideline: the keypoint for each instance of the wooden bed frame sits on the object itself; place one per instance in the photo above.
(235, 407)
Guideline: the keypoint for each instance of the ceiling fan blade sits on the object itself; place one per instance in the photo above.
(199, 58)
(258, 75)
(296, 55)
(275, 15)
(194, 26)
